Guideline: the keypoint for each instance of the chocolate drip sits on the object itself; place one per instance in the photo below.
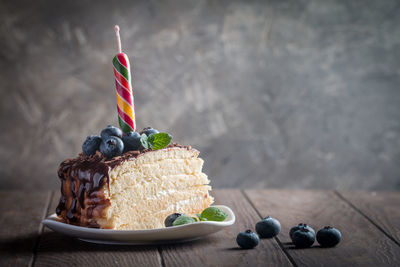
(72, 187)
(97, 181)
(81, 194)
(80, 177)
(61, 206)
(71, 211)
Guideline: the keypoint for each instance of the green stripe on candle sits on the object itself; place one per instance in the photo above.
(124, 127)
(121, 69)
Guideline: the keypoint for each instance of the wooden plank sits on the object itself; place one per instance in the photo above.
(55, 249)
(220, 249)
(20, 217)
(382, 208)
(362, 243)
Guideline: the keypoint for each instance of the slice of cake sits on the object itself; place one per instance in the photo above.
(136, 190)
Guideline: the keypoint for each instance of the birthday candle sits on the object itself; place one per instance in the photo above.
(123, 86)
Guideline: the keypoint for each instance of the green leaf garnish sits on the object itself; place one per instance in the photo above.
(155, 141)
(183, 220)
(201, 218)
(159, 140)
(144, 141)
(214, 214)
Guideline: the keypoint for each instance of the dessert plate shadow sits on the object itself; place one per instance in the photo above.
(173, 234)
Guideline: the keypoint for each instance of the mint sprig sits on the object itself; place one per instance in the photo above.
(144, 141)
(159, 140)
(214, 214)
(155, 141)
(184, 220)
(201, 218)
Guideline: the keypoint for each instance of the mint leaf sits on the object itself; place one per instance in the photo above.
(144, 141)
(155, 141)
(201, 218)
(158, 140)
(214, 214)
(183, 220)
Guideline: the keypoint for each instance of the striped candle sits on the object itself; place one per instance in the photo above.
(124, 92)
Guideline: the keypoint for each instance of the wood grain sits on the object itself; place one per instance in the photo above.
(220, 249)
(383, 208)
(58, 250)
(362, 243)
(20, 217)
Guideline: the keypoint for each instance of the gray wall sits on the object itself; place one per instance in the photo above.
(295, 94)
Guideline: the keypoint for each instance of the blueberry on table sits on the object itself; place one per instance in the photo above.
(91, 144)
(247, 239)
(171, 218)
(303, 238)
(111, 131)
(111, 147)
(268, 227)
(131, 141)
(297, 227)
(148, 131)
(329, 236)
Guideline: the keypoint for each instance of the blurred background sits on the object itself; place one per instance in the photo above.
(275, 94)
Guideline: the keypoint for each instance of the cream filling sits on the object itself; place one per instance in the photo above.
(164, 171)
(141, 198)
(162, 193)
(180, 204)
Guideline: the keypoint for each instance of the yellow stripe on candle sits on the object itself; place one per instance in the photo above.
(125, 107)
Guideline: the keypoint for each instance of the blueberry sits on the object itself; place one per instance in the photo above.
(111, 131)
(303, 238)
(148, 131)
(329, 236)
(297, 227)
(268, 227)
(91, 144)
(247, 239)
(111, 147)
(171, 218)
(131, 141)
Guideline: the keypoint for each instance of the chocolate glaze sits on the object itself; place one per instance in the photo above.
(82, 181)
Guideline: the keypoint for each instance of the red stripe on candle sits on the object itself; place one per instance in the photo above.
(123, 59)
(122, 80)
(123, 92)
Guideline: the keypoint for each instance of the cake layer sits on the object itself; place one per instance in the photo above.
(169, 153)
(125, 213)
(154, 186)
(130, 173)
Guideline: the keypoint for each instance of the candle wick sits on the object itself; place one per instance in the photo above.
(116, 29)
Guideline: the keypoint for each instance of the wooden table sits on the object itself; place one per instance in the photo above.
(369, 222)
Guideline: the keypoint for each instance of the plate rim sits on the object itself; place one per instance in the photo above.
(51, 220)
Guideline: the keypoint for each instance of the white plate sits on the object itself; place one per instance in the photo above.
(172, 234)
